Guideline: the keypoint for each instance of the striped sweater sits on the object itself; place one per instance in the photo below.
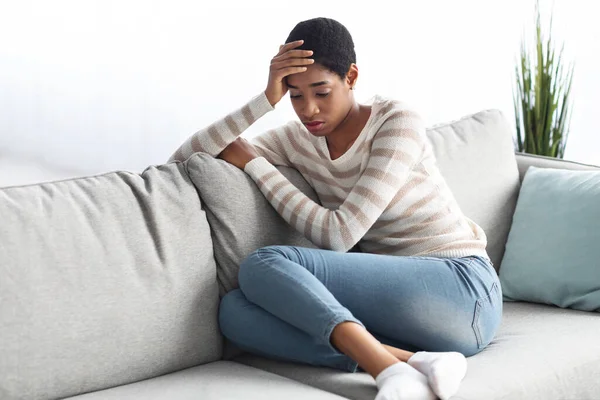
(385, 192)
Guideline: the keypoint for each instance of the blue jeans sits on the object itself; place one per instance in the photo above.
(291, 298)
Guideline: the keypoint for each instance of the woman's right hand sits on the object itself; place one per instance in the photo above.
(286, 62)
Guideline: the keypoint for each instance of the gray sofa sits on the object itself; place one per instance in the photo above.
(110, 285)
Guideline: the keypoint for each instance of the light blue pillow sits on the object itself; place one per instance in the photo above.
(553, 249)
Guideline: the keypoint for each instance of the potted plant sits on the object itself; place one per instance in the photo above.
(542, 97)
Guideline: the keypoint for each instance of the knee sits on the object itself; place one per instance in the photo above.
(231, 310)
(258, 263)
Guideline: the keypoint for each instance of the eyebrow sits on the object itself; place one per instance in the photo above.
(311, 85)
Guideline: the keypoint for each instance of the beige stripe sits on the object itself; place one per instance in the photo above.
(360, 216)
(298, 148)
(276, 188)
(327, 198)
(274, 144)
(393, 154)
(450, 228)
(383, 176)
(371, 196)
(318, 177)
(406, 188)
(214, 134)
(409, 212)
(231, 125)
(347, 238)
(196, 146)
(262, 143)
(310, 221)
(389, 107)
(296, 211)
(402, 116)
(248, 116)
(401, 133)
(285, 200)
(364, 146)
(351, 173)
(263, 179)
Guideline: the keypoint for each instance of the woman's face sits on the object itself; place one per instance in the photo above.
(320, 98)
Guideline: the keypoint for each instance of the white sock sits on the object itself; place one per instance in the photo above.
(400, 381)
(444, 371)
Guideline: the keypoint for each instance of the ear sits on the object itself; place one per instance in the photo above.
(352, 76)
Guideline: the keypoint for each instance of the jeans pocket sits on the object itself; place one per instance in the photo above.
(488, 314)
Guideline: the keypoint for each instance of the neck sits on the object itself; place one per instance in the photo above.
(346, 132)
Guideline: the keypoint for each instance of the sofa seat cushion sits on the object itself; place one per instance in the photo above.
(220, 380)
(541, 352)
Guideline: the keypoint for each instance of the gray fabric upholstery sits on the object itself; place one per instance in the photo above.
(476, 157)
(524, 161)
(240, 217)
(106, 280)
(540, 353)
(356, 386)
(222, 380)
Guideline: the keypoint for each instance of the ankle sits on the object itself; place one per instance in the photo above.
(378, 363)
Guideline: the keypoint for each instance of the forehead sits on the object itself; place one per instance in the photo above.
(314, 73)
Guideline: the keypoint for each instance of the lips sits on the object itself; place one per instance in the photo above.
(314, 126)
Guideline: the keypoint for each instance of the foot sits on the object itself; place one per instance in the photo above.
(444, 371)
(400, 381)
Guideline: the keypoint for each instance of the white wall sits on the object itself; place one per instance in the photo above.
(93, 86)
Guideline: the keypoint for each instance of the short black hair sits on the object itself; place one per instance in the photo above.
(330, 41)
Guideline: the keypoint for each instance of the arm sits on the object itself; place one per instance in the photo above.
(217, 136)
(396, 148)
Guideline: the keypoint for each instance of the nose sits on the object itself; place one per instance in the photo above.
(310, 110)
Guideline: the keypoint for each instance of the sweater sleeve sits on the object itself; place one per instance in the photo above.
(396, 148)
(217, 136)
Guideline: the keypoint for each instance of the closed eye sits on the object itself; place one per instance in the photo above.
(318, 94)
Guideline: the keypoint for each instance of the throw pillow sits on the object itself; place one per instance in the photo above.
(553, 253)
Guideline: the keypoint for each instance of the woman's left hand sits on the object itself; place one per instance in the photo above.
(239, 153)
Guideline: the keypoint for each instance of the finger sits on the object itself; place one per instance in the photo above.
(293, 54)
(282, 73)
(293, 62)
(289, 46)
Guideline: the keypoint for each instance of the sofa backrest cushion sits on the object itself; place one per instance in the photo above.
(524, 161)
(476, 157)
(106, 280)
(240, 217)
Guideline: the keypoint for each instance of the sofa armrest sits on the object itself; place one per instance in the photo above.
(524, 161)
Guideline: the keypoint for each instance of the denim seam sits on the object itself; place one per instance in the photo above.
(333, 317)
(478, 306)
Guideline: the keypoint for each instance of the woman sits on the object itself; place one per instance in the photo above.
(422, 280)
